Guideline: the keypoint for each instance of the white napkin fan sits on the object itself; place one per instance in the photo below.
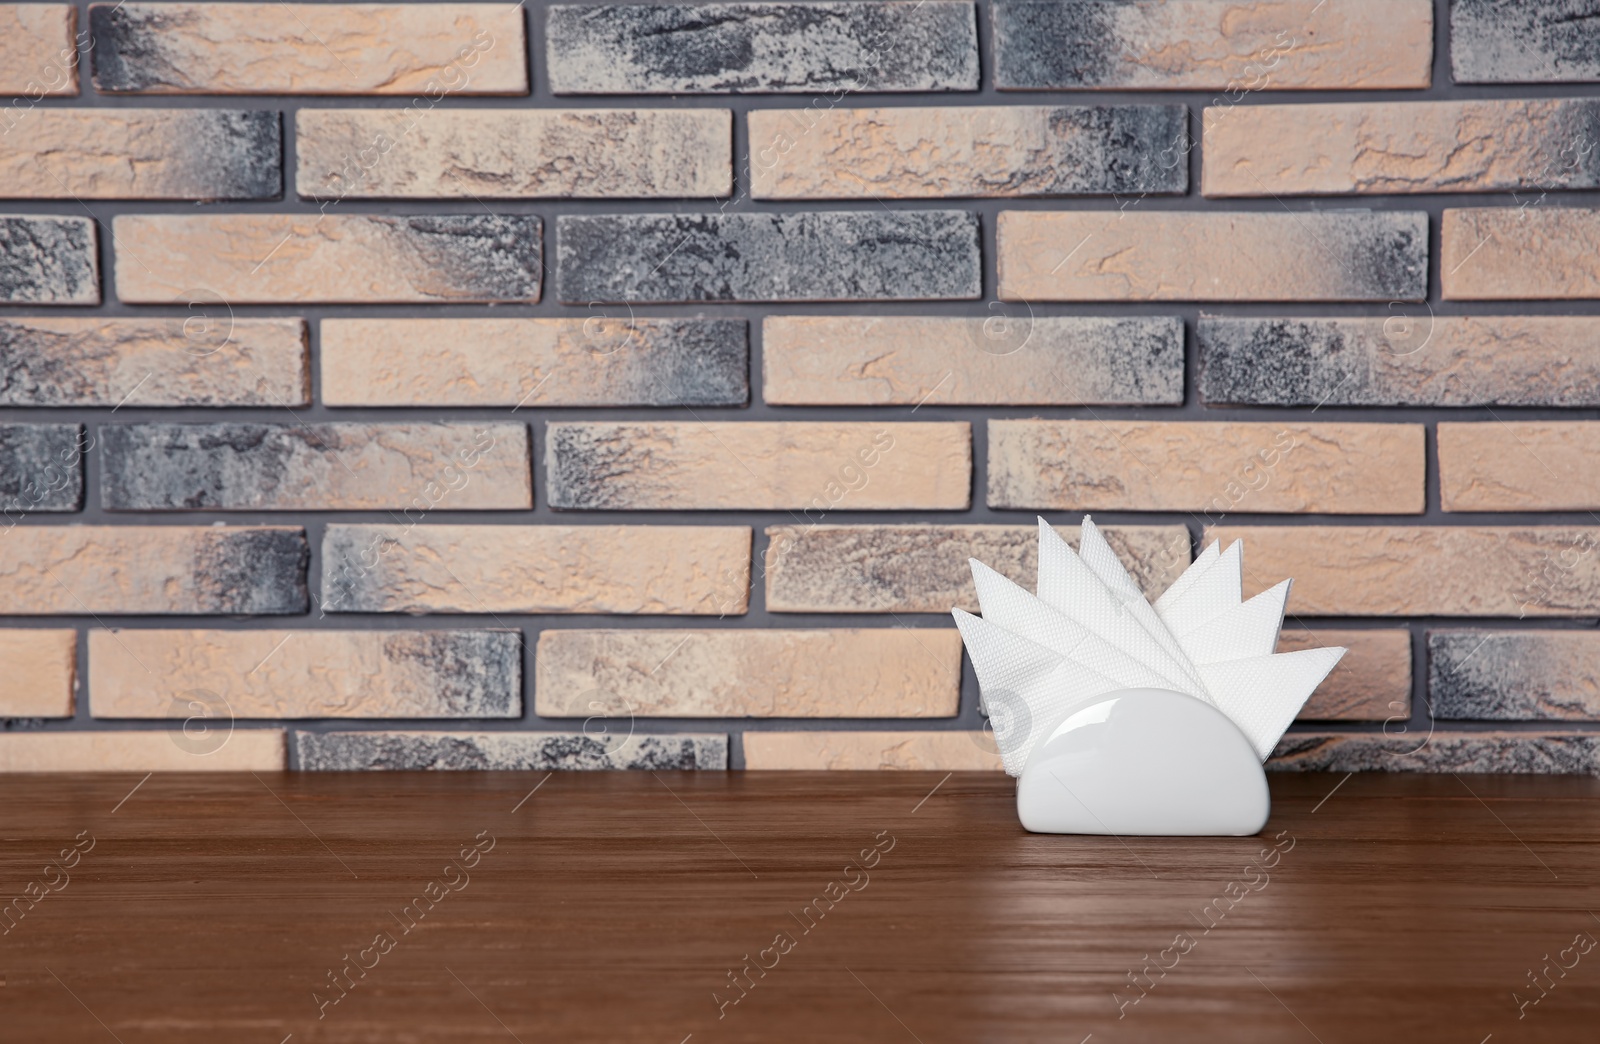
(1121, 717)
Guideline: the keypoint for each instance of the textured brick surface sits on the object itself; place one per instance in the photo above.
(929, 153)
(1008, 359)
(882, 673)
(41, 468)
(814, 256)
(37, 51)
(1514, 675)
(306, 674)
(942, 751)
(316, 467)
(199, 361)
(1372, 681)
(506, 751)
(1212, 467)
(923, 569)
(1401, 359)
(1213, 256)
(127, 750)
(1523, 41)
(805, 48)
(1395, 147)
(597, 361)
(1522, 252)
(903, 241)
(1425, 570)
(153, 569)
(759, 465)
(48, 261)
(144, 154)
(536, 569)
(500, 154)
(1209, 45)
(1439, 752)
(1519, 466)
(364, 259)
(321, 48)
(39, 675)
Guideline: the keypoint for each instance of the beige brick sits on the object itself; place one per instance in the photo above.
(1396, 147)
(596, 361)
(426, 50)
(127, 750)
(1009, 358)
(37, 54)
(1132, 255)
(677, 570)
(342, 465)
(930, 153)
(358, 258)
(521, 154)
(1236, 47)
(943, 751)
(1519, 466)
(760, 466)
(1371, 683)
(924, 569)
(1215, 467)
(210, 359)
(201, 154)
(1524, 252)
(305, 674)
(881, 673)
(152, 569)
(1424, 570)
(40, 673)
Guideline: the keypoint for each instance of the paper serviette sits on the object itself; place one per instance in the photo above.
(1089, 631)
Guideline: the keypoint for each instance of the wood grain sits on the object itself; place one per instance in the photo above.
(612, 907)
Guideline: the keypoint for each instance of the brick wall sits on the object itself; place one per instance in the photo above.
(489, 385)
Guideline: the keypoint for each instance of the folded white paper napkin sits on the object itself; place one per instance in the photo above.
(1089, 630)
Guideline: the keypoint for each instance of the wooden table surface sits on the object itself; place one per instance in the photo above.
(676, 907)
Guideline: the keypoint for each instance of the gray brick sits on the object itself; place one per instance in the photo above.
(817, 256)
(41, 468)
(48, 260)
(507, 751)
(1206, 44)
(795, 48)
(1418, 751)
(279, 467)
(1514, 675)
(1524, 41)
(1400, 360)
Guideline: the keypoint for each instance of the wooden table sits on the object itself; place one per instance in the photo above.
(626, 907)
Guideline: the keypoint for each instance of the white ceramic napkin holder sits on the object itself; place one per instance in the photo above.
(1122, 717)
